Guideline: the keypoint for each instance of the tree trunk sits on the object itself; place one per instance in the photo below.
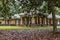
(53, 17)
(38, 20)
(42, 21)
(30, 21)
(46, 21)
(54, 22)
(8, 22)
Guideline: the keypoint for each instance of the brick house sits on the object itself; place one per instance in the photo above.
(30, 20)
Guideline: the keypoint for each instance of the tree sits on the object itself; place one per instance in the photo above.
(10, 7)
(7, 10)
(53, 17)
(34, 4)
(51, 8)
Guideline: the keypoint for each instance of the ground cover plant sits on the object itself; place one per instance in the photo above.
(28, 33)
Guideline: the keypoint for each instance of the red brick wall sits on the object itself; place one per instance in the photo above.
(12, 21)
(3, 22)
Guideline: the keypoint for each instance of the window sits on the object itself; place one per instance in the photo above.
(17, 21)
(58, 22)
(25, 21)
(7, 21)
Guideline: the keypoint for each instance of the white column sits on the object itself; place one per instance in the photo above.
(21, 21)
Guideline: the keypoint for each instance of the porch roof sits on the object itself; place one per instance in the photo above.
(50, 16)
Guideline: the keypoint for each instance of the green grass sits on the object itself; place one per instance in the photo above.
(24, 27)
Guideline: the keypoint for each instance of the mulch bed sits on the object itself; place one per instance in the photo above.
(34, 34)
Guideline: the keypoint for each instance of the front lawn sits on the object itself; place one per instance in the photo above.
(24, 27)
